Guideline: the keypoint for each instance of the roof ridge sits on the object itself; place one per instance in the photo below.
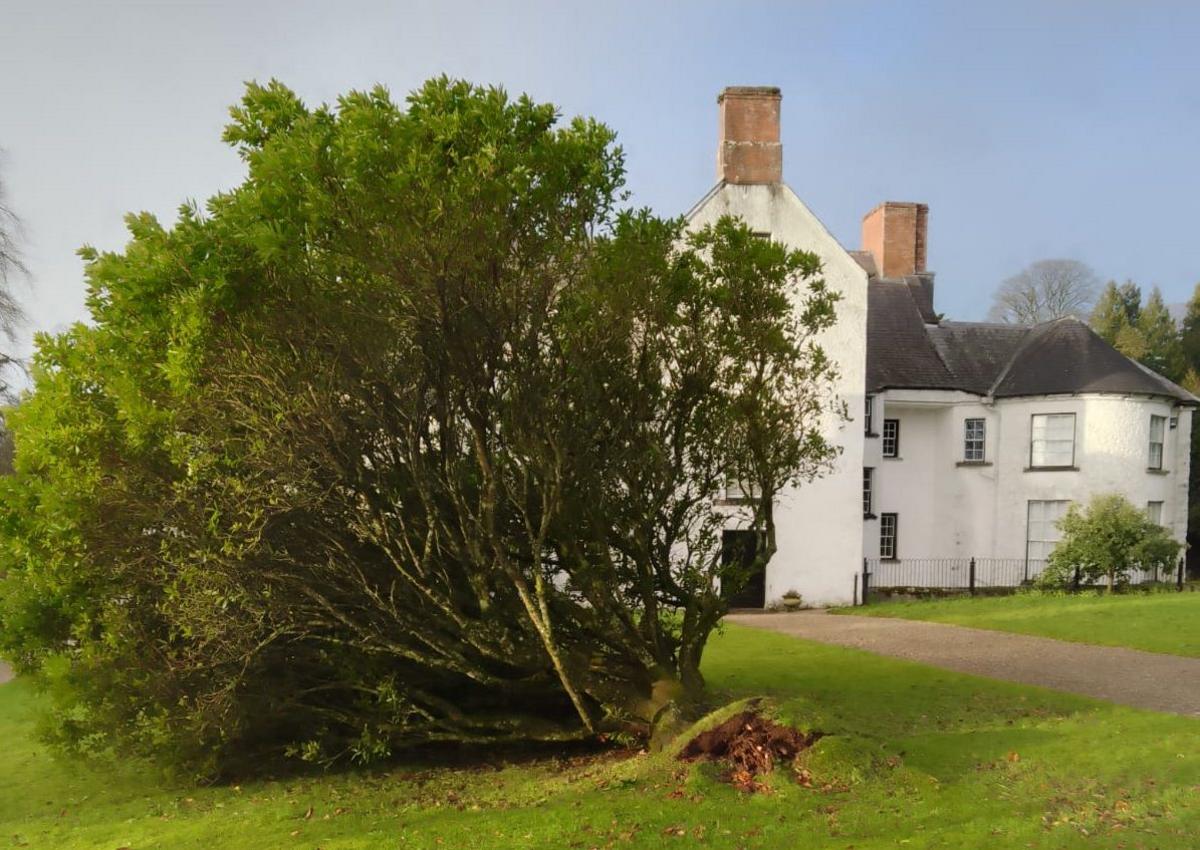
(1030, 333)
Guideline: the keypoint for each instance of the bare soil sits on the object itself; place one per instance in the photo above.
(750, 745)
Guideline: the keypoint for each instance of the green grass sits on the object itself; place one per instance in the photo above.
(922, 758)
(1155, 622)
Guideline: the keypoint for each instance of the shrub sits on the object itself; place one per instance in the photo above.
(1105, 541)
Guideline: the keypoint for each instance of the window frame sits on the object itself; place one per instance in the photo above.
(868, 492)
(981, 439)
(736, 492)
(1029, 520)
(891, 520)
(869, 415)
(1161, 444)
(1157, 520)
(895, 438)
(1033, 418)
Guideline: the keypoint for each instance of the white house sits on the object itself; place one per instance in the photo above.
(973, 437)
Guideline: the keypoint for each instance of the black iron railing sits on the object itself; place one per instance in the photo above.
(983, 574)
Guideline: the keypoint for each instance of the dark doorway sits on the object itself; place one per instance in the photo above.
(739, 546)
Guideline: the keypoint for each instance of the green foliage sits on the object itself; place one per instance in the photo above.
(1105, 541)
(1190, 330)
(1145, 332)
(1164, 348)
(410, 437)
(1117, 309)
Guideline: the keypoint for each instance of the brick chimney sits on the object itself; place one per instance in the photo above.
(749, 150)
(894, 233)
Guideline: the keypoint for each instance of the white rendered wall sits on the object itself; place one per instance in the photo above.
(949, 509)
(1112, 436)
(819, 525)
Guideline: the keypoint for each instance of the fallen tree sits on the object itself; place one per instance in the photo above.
(410, 437)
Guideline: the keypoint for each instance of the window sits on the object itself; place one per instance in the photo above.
(1157, 426)
(741, 491)
(1042, 530)
(974, 432)
(867, 490)
(891, 438)
(1052, 442)
(867, 414)
(1154, 512)
(887, 536)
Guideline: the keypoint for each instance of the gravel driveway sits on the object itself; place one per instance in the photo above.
(1141, 679)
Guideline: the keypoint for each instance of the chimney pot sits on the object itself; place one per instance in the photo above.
(749, 150)
(895, 234)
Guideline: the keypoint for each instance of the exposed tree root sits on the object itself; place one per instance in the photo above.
(750, 745)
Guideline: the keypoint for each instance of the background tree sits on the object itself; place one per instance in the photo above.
(1146, 332)
(408, 438)
(1046, 290)
(11, 314)
(1163, 346)
(1117, 309)
(1189, 333)
(1106, 540)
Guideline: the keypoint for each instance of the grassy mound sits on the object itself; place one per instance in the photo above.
(749, 744)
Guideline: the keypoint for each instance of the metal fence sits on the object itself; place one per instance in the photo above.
(983, 575)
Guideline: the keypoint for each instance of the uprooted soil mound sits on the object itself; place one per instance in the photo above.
(750, 745)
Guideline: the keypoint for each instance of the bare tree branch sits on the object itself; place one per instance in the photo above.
(12, 316)
(1046, 290)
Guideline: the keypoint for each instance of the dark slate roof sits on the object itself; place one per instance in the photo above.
(900, 352)
(909, 348)
(976, 353)
(1067, 356)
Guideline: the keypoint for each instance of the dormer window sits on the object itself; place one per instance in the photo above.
(868, 416)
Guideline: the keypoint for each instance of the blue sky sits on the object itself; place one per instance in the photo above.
(1032, 130)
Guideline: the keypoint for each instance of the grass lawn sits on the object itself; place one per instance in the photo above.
(920, 758)
(1155, 622)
